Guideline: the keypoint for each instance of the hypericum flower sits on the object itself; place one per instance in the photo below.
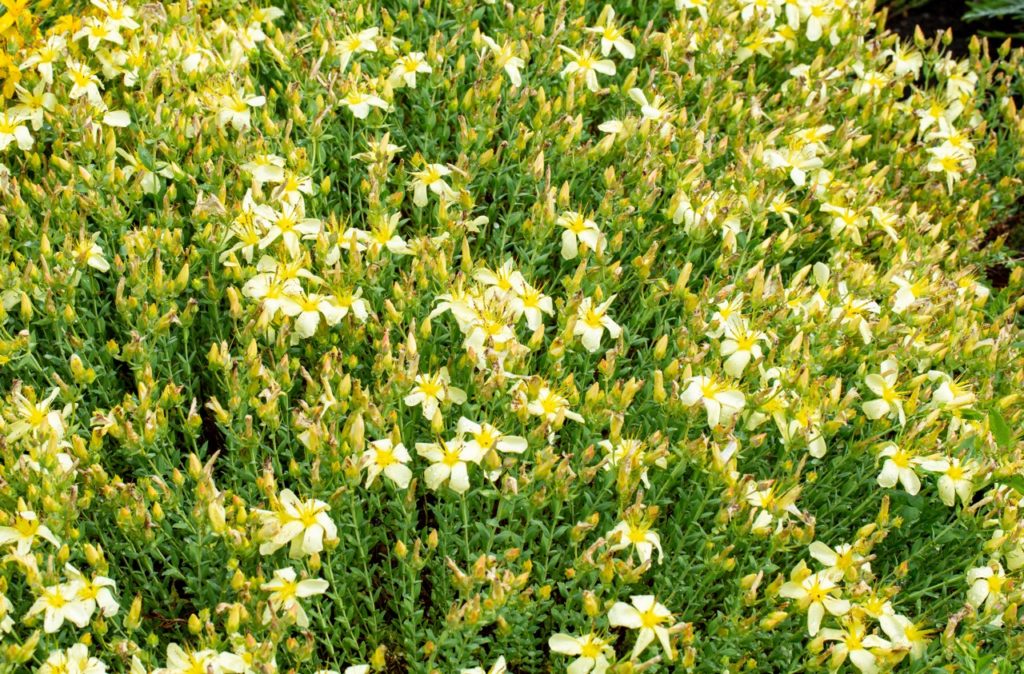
(854, 642)
(14, 130)
(721, 400)
(579, 229)
(89, 253)
(234, 109)
(890, 401)
(805, 422)
(247, 232)
(24, 532)
(346, 300)
(292, 187)
(816, 594)
(380, 150)
(632, 451)
(532, 304)
(265, 168)
(61, 602)
(869, 82)
(306, 308)
(799, 160)
(502, 281)
(118, 13)
(359, 103)
(285, 593)
(953, 394)
(35, 419)
(845, 221)
(97, 30)
(905, 60)
(382, 235)
(646, 615)
(842, 562)
(84, 83)
(636, 532)
(740, 346)
(592, 321)
(592, 651)
(485, 438)
(43, 58)
(304, 524)
(432, 178)
(430, 390)
(854, 312)
(551, 406)
(271, 288)
(491, 335)
(448, 462)
(908, 293)
(904, 635)
(207, 661)
(355, 43)
(290, 224)
(612, 37)
(950, 160)
(588, 65)
(504, 56)
(405, 69)
(74, 660)
(986, 585)
(899, 466)
(729, 311)
(654, 110)
(95, 592)
(770, 507)
(955, 479)
(383, 456)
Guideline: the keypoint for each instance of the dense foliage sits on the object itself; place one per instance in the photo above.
(489, 336)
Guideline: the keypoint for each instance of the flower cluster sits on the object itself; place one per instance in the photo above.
(486, 337)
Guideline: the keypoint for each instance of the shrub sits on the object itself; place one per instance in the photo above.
(434, 336)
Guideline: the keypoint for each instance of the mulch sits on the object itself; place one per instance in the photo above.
(938, 15)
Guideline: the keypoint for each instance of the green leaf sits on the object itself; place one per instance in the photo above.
(1000, 429)
(1014, 481)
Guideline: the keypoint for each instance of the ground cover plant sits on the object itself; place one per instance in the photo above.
(484, 337)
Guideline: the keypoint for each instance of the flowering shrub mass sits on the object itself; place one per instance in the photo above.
(481, 337)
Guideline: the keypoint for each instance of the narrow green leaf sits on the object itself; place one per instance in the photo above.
(1000, 429)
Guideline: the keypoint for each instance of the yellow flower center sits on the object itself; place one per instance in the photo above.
(637, 534)
(287, 590)
(549, 405)
(80, 78)
(594, 318)
(27, 528)
(651, 619)
(55, 598)
(430, 389)
(485, 438)
(385, 458)
(746, 342)
(451, 457)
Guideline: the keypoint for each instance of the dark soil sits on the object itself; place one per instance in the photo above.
(938, 15)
